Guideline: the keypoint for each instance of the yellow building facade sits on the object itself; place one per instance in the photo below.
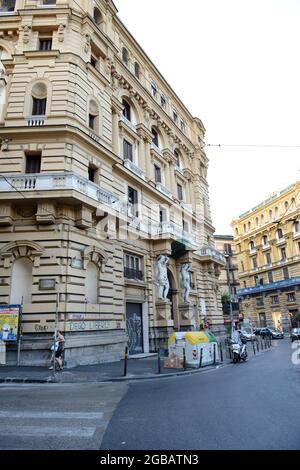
(267, 240)
(104, 202)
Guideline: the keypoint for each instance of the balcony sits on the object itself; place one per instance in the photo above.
(156, 149)
(134, 168)
(269, 287)
(57, 182)
(170, 230)
(133, 274)
(162, 189)
(126, 121)
(36, 121)
(211, 253)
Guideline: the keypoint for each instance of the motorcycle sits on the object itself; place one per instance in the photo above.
(239, 351)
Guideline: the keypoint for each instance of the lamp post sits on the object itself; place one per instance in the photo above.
(227, 256)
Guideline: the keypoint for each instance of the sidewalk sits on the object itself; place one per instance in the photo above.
(137, 369)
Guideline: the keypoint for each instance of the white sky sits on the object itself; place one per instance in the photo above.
(235, 65)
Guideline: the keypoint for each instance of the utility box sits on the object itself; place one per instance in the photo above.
(193, 342)
(2, 353)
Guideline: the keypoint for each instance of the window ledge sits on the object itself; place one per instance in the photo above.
(32, 54)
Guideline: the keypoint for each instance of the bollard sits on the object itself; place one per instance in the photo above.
(221, 352)
(201, 358)
(215, 355)
(125, 361)
(184, 359)
(253, 347)
(158, 361)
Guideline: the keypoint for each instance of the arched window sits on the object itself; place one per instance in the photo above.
(98, 18)
(125, 57)
(154, 90)
(178, 159)
(276, 212)
(39, 99)
(137, 70)
(286, 205)
(270, 214)
(21, 281)
(251, 246)
(265, 240)
(93, 117)
(155, 138)
(279, 234)
(91, 283)
(126, 110)
(237, 231)
(256, 222)
(262, 219)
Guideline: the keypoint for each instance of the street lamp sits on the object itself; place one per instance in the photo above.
(227, 256)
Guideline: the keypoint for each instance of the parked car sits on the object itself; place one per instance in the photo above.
(271, 332)
(295, 334)
(247, 335)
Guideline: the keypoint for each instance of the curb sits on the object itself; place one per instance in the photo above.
(133, 378)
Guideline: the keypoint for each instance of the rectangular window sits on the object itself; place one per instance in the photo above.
(274, 299)
(92, 174)
(228, 249)
(254, 262)
(286, 274)
(260, 302)
(93, 61)
(268, 258)
(157, 174)
(291, 297)
(163, 101)
(162, 215)
(33, 163)
(128, 150)
(185, 226)
(133, 202)
(92, 119)
(7, 5)
(297, 226)
(132, 267)
(283, 254)
(270, 277)
(179, 192)
(46, 44)
(175, 116)
(39, 106)
(182, 126)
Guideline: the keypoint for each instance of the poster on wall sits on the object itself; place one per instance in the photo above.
(9, 322)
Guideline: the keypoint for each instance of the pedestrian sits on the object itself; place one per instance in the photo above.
(59, 346)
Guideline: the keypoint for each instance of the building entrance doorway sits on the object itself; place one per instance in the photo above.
(134, 328)
(277, 320)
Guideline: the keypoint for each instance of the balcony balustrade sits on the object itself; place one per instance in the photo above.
(57, 182)
(126, 121)
(209, 252)
(134, 274)
(134, 168)
(162, 189)
(156, 149)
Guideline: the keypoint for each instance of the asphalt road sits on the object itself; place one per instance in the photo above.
(59, 416)
(252, 405)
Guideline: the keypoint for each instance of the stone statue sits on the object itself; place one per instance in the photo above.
(162, 280)
(185, 281)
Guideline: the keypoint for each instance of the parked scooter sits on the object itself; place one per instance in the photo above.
(239, 352)
(239, 348)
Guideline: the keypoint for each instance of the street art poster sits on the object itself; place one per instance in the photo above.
(9, 322)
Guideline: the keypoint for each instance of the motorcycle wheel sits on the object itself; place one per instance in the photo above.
(235, 358)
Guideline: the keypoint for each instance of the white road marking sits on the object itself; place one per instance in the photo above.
(40, 431)
(49, 415)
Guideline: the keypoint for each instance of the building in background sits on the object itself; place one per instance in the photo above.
(104, 202)
(229, 279)
(267, 240)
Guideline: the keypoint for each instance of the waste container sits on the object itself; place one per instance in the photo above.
(193, 342)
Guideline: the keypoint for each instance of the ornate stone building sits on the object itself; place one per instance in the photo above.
(104, 201)
(267, 240)
(229, 280)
